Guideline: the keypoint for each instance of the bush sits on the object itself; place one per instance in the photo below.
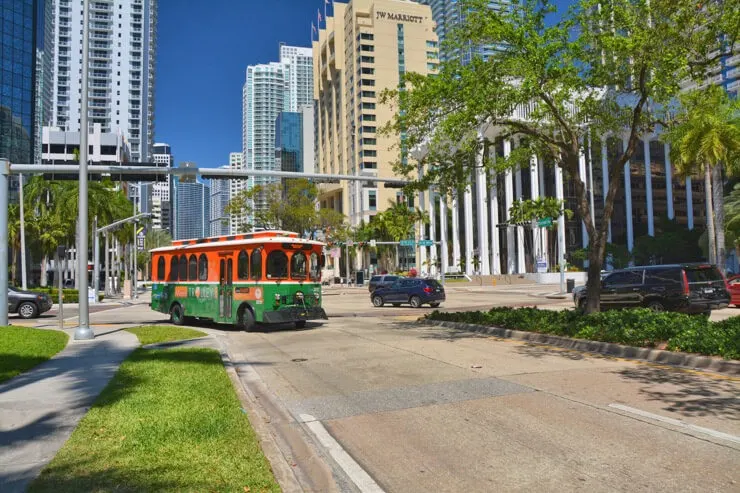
(637, 327)
(68, 295)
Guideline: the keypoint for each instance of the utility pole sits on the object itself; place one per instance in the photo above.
(4, 190)
(24, 279)
(83, 330)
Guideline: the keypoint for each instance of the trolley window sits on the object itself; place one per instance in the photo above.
(298, 266)
(203, 267)
(256, 265)
(160, 268)
(315, 271)
(193, 268)
(242, 266)
(183, 270)
(277, 265)
(173, 268)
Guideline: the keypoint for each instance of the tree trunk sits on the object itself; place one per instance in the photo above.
(710, 215)
(44, 262)
(719, 215)
(593, 281)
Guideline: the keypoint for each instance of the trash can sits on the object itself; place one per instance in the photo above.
(570, 284)
(360, 278)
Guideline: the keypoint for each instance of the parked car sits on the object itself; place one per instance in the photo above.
(28, 304)
(686, 288)
(415, 292)
(382, 281)
(733, 284)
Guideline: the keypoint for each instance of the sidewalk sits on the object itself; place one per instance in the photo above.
(40, 409)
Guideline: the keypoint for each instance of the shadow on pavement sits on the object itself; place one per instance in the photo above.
(539, 351)
(686, 393)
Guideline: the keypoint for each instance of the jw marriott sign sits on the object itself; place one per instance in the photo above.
(392, 16)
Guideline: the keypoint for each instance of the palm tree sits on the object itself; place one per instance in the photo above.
(14, 238)
(704, 137)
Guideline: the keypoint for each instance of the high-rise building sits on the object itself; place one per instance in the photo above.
(122, 49)
(289, 142)
(448, 14)
(366, 47)
(300, 75)
(18, 41)
(308, 122)
(219, 220)
(192, 217)
(161, 192)
(236, 186)
(270, 89)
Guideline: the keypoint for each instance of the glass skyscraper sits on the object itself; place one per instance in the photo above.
(192, 210)
(17, 72)
(289, 142)
(448, 14)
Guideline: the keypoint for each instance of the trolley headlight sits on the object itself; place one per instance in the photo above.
(277, 298)
(299, 296)
(317, 296)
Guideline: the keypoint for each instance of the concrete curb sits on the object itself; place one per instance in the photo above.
(730, 367)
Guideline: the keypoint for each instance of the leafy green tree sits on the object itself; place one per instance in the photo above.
(672, 243)
(603, 68)
(704, 137)
(289, 205)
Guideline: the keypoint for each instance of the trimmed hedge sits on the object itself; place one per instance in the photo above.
(637, 327)
(68, 295)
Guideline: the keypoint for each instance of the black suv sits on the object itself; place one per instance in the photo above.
(687, 288)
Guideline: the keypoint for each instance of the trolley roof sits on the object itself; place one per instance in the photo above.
(260, 237)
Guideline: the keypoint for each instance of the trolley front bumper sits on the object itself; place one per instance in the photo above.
(294, 314)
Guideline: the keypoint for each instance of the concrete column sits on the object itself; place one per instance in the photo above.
(520, 264)
(689, 204)
(443, 235)
(432, 234)
(4, 192)
(544, 232)
(468, 215)
(508, 201)
(605, 179)
(495, 247)
(455, 232)
(534, 187)
(584, 178)
(649, 185)
(669, 181)
(560, 194)
(482, 196)
(628, 200)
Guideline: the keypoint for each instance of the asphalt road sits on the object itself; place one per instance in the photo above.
(390, 405)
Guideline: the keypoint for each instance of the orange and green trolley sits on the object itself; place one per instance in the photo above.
(266, 277)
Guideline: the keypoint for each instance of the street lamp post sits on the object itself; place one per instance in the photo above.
(24, 278)
(83, 330)
(4, 189)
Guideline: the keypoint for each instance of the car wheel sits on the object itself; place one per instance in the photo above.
(656, 306)
(415, 301)
(176, 315)
(28, 310)
(435, 304)
(377, 301)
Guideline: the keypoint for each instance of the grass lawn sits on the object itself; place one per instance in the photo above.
(168, 421)
(154, 334)
(22, 348)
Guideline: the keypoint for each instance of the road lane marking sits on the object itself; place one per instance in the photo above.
(356, 473)
(677, 422)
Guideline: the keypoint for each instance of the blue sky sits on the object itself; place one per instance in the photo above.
(203, 51)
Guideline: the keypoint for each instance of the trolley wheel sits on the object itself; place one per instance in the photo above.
(176, 314)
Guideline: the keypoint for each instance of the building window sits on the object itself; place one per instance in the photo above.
(369, 165)
(367, 48)
(431, 55)
(368, 94)
(431, 44)
(367, 82)
(432, 66)
(368, 129)
(369, 153)
(367, 118)
(372, 200)
(368, 36)
(368, 141)
(367, 59)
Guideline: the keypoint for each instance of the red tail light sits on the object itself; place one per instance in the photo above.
(685, 283)
(427, 289)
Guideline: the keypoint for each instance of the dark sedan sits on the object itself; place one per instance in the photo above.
(28, 304)
(415, 292)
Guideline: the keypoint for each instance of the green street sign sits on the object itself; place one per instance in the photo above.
(545, 222)
(426, 243)
(407, 243)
